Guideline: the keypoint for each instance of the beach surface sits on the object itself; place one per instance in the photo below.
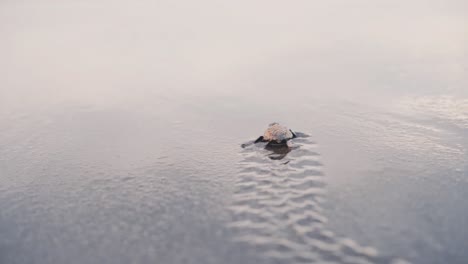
(121, 125)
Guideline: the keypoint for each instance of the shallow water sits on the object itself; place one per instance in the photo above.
(121, 127)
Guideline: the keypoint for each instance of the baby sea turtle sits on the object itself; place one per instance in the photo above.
(276, 135)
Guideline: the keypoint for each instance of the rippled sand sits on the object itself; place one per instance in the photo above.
(277, 209)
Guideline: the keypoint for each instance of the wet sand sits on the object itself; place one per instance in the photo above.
(121, 129)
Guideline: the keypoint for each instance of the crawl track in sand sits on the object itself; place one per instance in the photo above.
(276, 209)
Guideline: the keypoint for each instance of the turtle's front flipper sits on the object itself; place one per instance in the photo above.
(246, 144)
(301, 135)
(294, 134)
(259, 139)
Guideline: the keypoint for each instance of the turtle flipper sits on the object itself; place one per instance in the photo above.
(294, 134)
(259, 139)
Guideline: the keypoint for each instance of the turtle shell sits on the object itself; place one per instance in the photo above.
(277, 132)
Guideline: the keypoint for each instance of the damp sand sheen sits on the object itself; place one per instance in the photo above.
(120, 125)
(277, 209)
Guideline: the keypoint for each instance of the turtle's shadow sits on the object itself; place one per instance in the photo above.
(278, 152)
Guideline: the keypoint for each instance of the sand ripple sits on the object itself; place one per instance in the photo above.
(276, 210)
